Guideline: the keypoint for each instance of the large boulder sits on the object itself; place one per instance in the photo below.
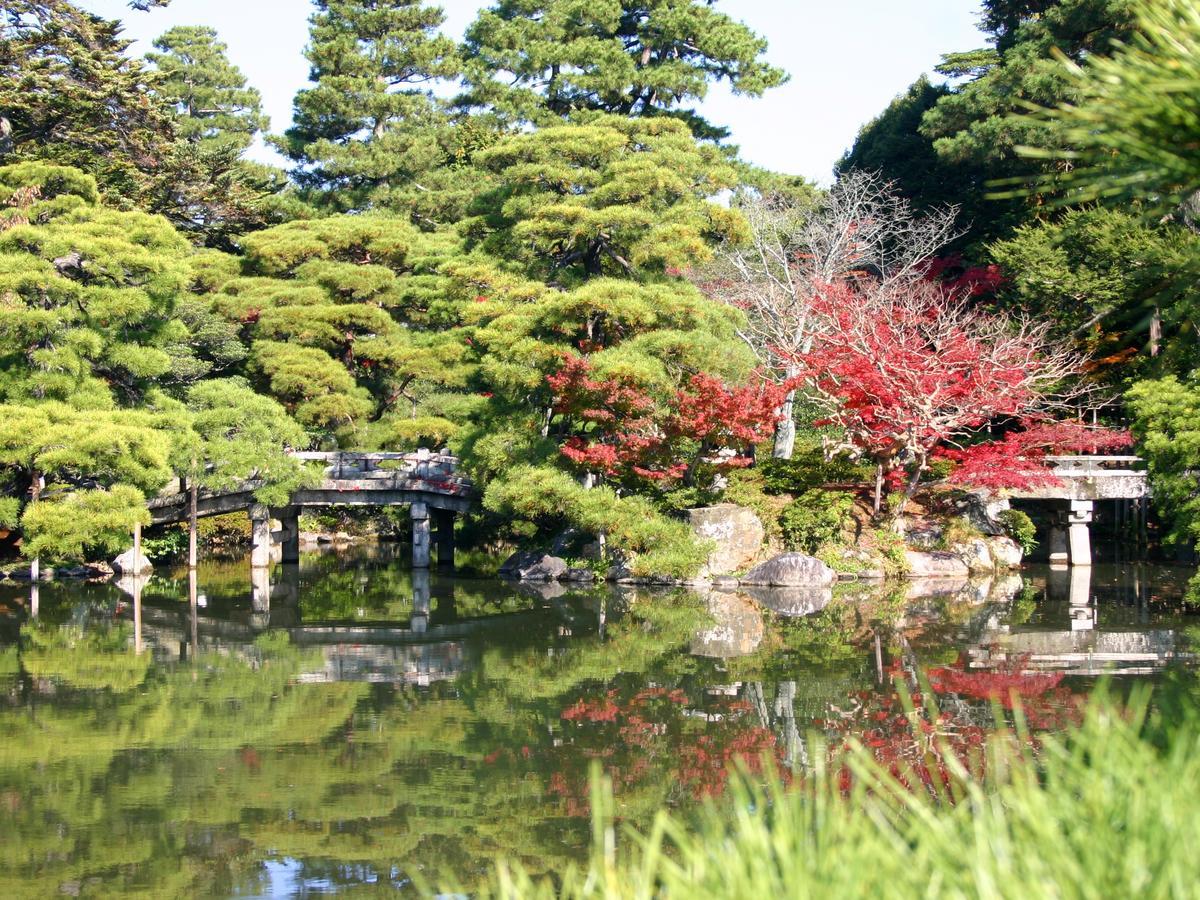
(736, 531)
(533, 565)
(935, 564)
(976, 554)
(1006, 553)
(791, 570)
(982, 511)
(130, 564)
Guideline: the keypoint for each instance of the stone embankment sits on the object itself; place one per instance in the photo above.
(740, 557)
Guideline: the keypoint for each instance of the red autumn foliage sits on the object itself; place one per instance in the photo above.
(1019, 458)
(914, 370)
(621, 431)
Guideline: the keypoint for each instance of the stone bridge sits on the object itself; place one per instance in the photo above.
(428, 483)
(1082, 481)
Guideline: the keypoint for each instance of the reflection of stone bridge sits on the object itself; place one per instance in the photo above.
(428, 483)
(419, 652)
(1084, 480)
(1087, 646)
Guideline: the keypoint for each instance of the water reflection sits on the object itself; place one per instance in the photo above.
(337, 723)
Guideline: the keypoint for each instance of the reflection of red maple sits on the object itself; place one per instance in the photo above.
(650, 737)
(916, 747)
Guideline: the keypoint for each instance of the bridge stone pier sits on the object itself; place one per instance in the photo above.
(425, 481)
(1084, 481)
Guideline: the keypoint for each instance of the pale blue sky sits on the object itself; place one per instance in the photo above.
(847, 59)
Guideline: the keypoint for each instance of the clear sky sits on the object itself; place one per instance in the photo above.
(847, 59)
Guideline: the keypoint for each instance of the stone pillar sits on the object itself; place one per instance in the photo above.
(1079, 521)
(260, 536)
(289, 533)
(1059, 550)
(420, 537)
(444, 538)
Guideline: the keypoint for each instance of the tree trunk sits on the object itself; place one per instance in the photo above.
(35, 494)
(193, 526)
(785, 430)
(910, 490)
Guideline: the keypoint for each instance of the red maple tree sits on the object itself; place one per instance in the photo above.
(912, 370)
(618, 430)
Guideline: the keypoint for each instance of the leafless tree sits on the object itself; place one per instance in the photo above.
(861, 228)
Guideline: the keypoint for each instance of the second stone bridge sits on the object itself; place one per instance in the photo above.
(428, 483)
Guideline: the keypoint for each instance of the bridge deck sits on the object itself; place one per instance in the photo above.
(359, 479)
(1092, 478)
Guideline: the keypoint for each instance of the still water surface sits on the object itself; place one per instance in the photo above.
(344, 726)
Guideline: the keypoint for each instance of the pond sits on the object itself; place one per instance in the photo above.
(344, 726)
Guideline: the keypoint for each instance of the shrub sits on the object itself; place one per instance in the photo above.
(891, 548)
(958, 531)
(807, 469)
(815, 518)
(1018, 526)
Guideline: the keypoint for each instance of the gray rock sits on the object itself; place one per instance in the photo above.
(976, 554)
(736, 531)
(982, 511)
(580, 575)
(924, 537)
(1006, 553)
(127, 564)
(533, 565)
(791, 570)
(935, 564)
(725, 582)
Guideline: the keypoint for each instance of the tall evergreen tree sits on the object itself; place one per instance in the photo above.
(69, 95)
(212, 101)
(533, 60)
(204, 185)
(967, 134)
(369, 131)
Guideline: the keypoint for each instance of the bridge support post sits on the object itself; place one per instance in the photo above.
(260, 536)
(1079, 521)
(420, 539)
(289, 534)
(1060, 552)
(444, 538)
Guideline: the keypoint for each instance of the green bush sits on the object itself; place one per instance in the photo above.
(891, 548)
(657, 544)
(815, 518)
(807, 469)
(1018, 526)
(167, 544)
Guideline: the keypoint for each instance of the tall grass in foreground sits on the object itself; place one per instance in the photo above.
(1109, 810)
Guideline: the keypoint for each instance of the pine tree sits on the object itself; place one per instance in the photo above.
(578, 252)
(212, 103)
(369, 131)
(536, 60)
(70, 95)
